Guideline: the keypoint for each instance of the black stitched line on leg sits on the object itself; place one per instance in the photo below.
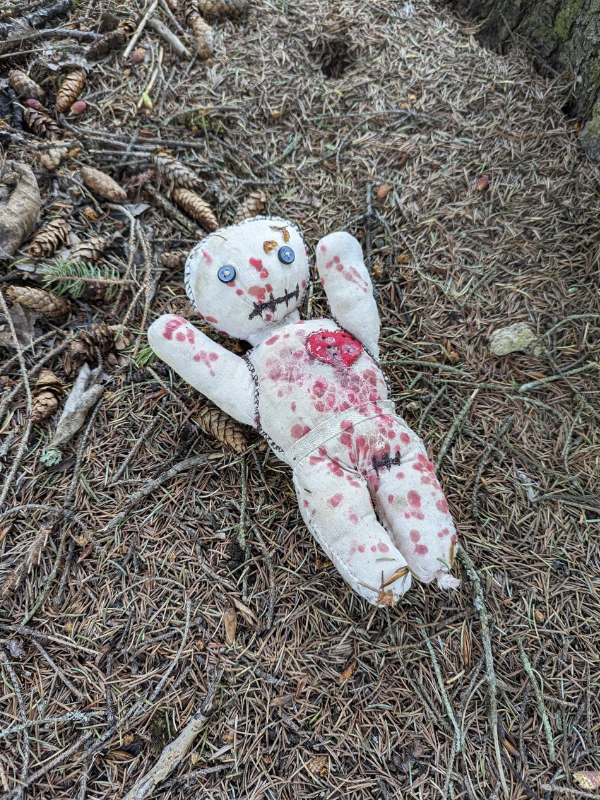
(386, 462)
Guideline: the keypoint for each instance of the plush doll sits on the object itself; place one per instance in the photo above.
(314, 390)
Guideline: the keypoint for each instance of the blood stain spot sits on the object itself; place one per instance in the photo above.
(382, 547)
(305, 503)
(442, 505)
(373, 548)
(298, 431)
(421, 549)
(405, 438)
(336, 499)
(415, 536)
(390, 498)
(293, 406)
(414, 499)
(361, 548)
(272, 340)
(180, 336)
(239, 292)
(212, 319)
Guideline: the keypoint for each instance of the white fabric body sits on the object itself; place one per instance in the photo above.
(365, 486)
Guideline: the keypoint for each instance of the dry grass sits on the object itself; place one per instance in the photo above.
(419, 106)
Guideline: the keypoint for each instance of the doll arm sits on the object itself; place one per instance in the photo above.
(220, 375)
(348, 287)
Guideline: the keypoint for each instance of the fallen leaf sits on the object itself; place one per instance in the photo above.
(348, 672)
(230, 622)
(588, 780)
(23, 319)
(281, 700)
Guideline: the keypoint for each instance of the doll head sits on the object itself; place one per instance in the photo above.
(246, 278)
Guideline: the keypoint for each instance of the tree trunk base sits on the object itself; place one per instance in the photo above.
(564, 35)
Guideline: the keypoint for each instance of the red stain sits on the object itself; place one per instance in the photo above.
(415, 536)
(400, 475)
(272, 340)
(444, 532)
(180, 336)
(454, 538)
(382, 547)
(373, 548)
(390, 498)
(305, 503)
(239, 292)
(336, 500)
(442, 505)
(293, 406)
(298, 431)
(172, 325)
(414, 499)
(352, 516)
(405, 438)
(259, 292)
(206, 359)
(256, 263)
(423, 464)
(212, 319)
(361, 548)
(324, 250)
(207, 257)
(421, 549)
(337, 348)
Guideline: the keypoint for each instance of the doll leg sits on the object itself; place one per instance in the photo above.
(336, 507)
(410, 500)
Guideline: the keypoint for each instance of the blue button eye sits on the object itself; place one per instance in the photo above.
(226, 274)
(286, 255)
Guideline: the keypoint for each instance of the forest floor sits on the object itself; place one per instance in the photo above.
(491, 217)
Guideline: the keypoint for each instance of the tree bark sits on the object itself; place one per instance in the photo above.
(563, 34)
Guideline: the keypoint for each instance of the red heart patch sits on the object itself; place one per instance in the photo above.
(334, 347)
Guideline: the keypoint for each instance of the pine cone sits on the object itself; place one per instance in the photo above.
(46, 393)
(103, 184)
(47, 241)
(196, 207)
(251, 206)
(203, 35)
(44, 405)
(41, 124)
(101, 336)
(110, 41)
(70, 90)
(190, 10)
(175, 259)
(25, 87)
(52, 159)
(88, 251)
(173, 170)
(220, 425)
(39, 300)
(223, 8)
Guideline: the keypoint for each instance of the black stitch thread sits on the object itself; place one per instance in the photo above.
(272, 302)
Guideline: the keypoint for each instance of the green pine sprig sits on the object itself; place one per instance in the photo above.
(71, 277)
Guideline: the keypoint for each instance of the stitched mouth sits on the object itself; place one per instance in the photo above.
(272, 303)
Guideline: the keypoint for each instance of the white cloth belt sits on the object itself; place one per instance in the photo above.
(331, 427)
